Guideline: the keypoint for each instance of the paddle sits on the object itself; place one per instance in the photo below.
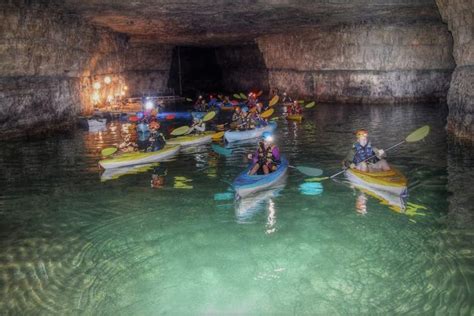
(259, 93)
(310, 105)
(189, 99)
(300, 101)
(180, 131)
(221, 150)
(274, 100)
(312, 172)
(415, 136)
(243, 96)
(267, 113)
(236, 95)
(108, 151)
(209, 116)
(217, 136)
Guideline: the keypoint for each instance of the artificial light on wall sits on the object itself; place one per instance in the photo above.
(107, 80)
(96, 85)
(125, 88)
(110, 98)
(95, 97)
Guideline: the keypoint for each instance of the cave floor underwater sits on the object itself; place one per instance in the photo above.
(75, 241)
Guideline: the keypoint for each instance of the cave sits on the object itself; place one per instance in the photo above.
(384, 65)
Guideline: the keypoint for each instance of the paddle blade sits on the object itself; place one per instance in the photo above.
(419, 134)
(180, 131)
(236, 95)
(300, 101)
(217, 136)
(209, 116)
(312, 172)
(189, 99)
(224, 196)
(243, 96)
(259, 93)
(221, 150)
(108, 151)
(316, 179)
(274, 101)
(267, 113)
(310, 105)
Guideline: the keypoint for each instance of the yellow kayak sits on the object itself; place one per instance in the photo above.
(294, 117)
(390, 181)
(138, 158)
(191, 140)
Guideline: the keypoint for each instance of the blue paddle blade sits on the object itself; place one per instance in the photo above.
(311, 188)
(223, 196)
(221, 150)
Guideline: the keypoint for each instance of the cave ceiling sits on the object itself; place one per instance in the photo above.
(214, 23)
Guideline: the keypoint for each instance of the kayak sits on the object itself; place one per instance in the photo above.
(392, 181)
(174, 116)
(115, 173)
(137, 158)
(245, 184)
(191, 140)
(233, 136)
(294, 117)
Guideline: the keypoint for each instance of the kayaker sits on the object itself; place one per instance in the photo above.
(127, 145)
(267, 157)
(251, 100)
(157, 140)
(199, 126)
(286, 98)
(197, 104)
(295, 108)
(246, 120)
(363, 149)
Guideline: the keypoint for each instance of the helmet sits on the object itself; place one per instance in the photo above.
(267, 136)
(361, 133)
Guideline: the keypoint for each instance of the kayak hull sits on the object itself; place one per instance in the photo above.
(191, 140)
(392, 181)
(245, 185)
(138, 158)
(295, 117)
(174, 116)
(234, 136)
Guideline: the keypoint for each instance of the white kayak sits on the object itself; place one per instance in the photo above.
(138, 158)
(234, 136)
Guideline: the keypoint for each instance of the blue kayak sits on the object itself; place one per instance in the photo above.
(174, 116)
(245, 184)
(234, 136)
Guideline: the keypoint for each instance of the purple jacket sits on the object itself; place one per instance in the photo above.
(275, 153)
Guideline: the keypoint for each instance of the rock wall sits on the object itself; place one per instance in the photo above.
(243, 68)
(459, 14)
(362, 63)
(50, 59)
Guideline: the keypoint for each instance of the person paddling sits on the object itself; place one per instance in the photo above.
(267, 157)
(157, 140)
(199, 126)
(361, 150)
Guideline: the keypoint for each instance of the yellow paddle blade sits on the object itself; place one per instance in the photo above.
(259, 93)
(267, 113)
(209, 116)
(316, 179)
(180, 131)
(243, 96)
(217, 136)
(419, 134)
(274, 101)
(236, 95)
(189, 99)
(300, 101)
(310, 105)
(108, 151)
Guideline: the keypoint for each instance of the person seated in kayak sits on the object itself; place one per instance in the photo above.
(295, 108)
(251, 100)
(157, 140)
(267, 157)
(286, 98)
(361, 150)
(127, 145)
(197, 104)
(247, 121)
(198, 127)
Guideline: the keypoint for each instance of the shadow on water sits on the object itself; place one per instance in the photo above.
(72, 243)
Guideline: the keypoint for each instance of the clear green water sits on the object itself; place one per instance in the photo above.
(71, 244)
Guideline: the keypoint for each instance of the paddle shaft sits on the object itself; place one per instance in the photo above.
(373, 156)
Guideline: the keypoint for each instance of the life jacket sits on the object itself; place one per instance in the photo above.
(363, 153)
(265, 154)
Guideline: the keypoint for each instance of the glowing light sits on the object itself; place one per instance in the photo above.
(110, 98)
(125, 88)
(122, 93)
(95, 97)
(96, 85)
(149, 105)
(269, 139)
(107, 80)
